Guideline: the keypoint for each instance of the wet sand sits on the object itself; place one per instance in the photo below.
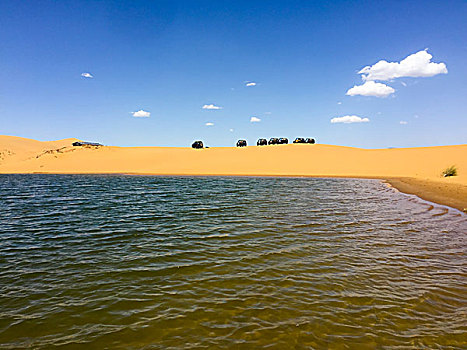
(442, 192)
(410, 170)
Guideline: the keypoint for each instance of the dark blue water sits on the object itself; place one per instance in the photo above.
(130, 262)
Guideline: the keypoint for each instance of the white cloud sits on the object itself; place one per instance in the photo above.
(349, 119)
(403, 84)
(416, 65)
(267, 113)
(231, 130)
(87, 75)
(339, 103)
(141, 113)
(250, 83)
(370, 88)
(211, 106)
(255, 120)
(403, 122)
(209, 124)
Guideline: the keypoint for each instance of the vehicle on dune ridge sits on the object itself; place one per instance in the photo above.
(84, 143)
(241, 143)
(273, 141)
(197, 145)
(299, 140)
(309, 140)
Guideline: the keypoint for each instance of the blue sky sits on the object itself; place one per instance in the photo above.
(170, 58)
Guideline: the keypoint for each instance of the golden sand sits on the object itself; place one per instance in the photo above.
(412, 170)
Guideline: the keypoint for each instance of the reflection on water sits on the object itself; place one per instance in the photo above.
(168, 262)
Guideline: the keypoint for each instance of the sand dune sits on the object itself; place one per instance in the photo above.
(15, 149)
(20, 155)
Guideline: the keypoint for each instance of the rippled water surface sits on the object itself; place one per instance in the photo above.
(127, 262)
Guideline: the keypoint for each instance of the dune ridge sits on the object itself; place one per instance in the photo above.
(411, 170)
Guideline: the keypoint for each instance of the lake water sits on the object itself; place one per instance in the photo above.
(130, 262)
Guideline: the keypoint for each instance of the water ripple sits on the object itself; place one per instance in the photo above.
(128, 262)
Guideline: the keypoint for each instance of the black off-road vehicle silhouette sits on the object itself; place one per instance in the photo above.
(241, 143)
(310, 140)
(299, 140)
(283, 141)
(273, 141)
(262, 142)
(197, 144)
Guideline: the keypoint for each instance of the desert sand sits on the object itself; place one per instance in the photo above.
(411, 170)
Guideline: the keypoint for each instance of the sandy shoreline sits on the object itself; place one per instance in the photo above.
(451, 195)
(410, 170)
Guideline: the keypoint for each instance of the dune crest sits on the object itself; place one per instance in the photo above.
(14, 149)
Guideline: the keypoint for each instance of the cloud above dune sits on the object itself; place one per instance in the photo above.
(87, 75)
(254, 120)
(141, 114)
(250, 83)
(416, 65)
(370, 88)
(403, 122)
(209, 124)
(211, 106)
(347, 119)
